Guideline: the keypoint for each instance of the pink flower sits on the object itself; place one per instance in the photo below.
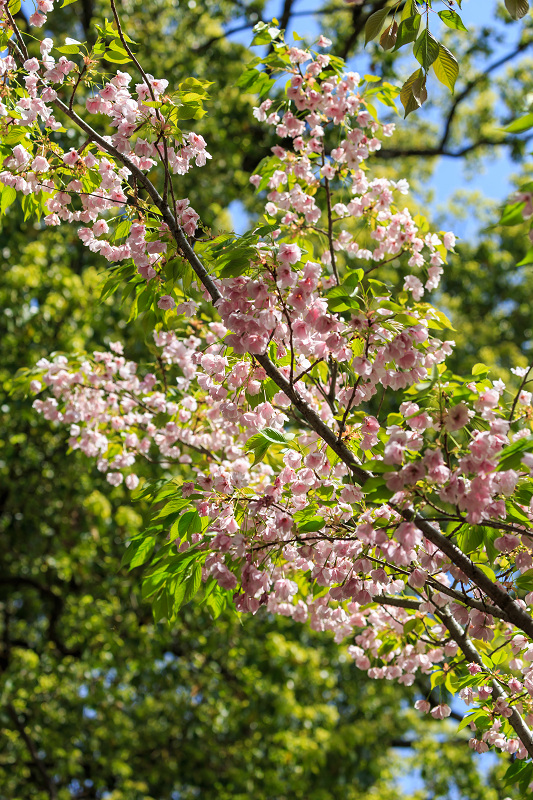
(506, 543)
(40, 164)
(327, 171)
(414, 285)
(289, 253)
(100, 226)
(31, 65)
(71, 157)
(457, 417)
(121, 79)
(37, 20)
(487, 399)
(417, 579)
(132, 481)
(449, 241)
(423, 706)
(114, 478)
(21, 155)
(441, 711)
(166, 302)
(46, 46)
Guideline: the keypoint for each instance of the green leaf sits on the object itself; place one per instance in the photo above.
(500, 657)
(426, 49)
(408, 30)
(410, 625)
(409, 10)
(487, 571)
(314, 524)
(480, 369)
(113, 58)
(138, 551)
(489, 537)
(413, 93)
(466, 721)
(520, 125)
(189, 523)
(118, 48)
(520, 772)
(260, 450)
(260, 442)
(153, 584)
(8, 196)
(528, 258)
(376, 491)
(374, 24)
(274, 436)
(305, 515)
(512, 214)
(517, 8)
(15, 135)
(67, 3)
(446, 67)
(160, 607)
(193, 584)
(452, 20)
(469, 538)
(437, 678)
(69, 49)
(511, 456)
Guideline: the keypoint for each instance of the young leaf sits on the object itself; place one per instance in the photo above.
(446, 67)
(409, 10)
(528, 258)
(452, 20)
(8, 195)
(469, 537)
(517, 8)
(408, 30)
(193, 584)
(314, 524)
(426, 49)
(520, 125)
(413, 93)
(512, 214)
(189, 523)
(388, 37)
(374, 24)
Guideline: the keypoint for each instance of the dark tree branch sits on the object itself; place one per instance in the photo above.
(360, 15)
(441, 148)
(286, 14)
(56, 609)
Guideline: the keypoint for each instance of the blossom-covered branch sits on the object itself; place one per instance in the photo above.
(321, 459)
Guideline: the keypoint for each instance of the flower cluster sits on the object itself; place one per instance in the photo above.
(98, 180)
